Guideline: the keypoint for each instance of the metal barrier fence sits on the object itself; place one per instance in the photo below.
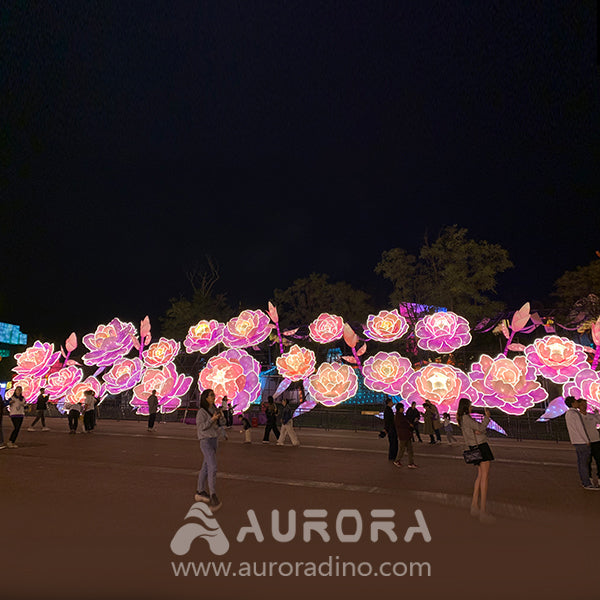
(355, 418)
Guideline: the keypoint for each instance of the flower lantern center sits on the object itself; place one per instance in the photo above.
(557, 351)
(438, 382)
(201, 329)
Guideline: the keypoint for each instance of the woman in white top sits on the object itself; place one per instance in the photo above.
(475, 437)
(17, 413)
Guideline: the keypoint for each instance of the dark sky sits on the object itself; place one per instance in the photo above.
(283, 138)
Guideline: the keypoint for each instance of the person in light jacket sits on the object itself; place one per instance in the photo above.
(209, 422)
(475, 437)
(581, 441)
(17, 414)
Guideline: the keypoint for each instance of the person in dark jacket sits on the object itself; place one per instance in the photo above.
(40, 411)
(404, 432)
(390, 428)
(271, 414)
(414, 416)
(152, 409)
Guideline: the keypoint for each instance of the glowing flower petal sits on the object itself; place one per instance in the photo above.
(443, 385)
(442, 332)
(556, 358)
(250, 328)
(297, 364)
(123, 375)
(507, 384)
(326, 328)
(77, 396)
(235, 374)
(169, 386)
(203, 336)
(30, 386)
(387, 372)
(108, 343)
(586, 385)
(332, 384)
(161, 353)
(61, 382)
(37, 360)
(386, 326)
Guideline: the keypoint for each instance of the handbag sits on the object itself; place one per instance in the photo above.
(473, 455)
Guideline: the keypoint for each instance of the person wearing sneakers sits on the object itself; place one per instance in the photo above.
(40, 410)
(404, 431)
(209, 421)
(474, 436)
(287, 423)
(17, 413)
(581, 441)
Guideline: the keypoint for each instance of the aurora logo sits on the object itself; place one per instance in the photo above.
(204, 526)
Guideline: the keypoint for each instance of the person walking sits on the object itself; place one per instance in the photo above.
(88, 411)
(437, 425)
(447, 424)
(16, 409)
(287, 423)
(74, 412)
(227, 411)
(580, 440)
(152, 409)
(40, 410)
(414, 416)
(428, 417)
(404, 433)
(271, 414)
(209, 421)
(475, 437)
(390, 428)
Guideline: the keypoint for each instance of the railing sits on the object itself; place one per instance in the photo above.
(355, 418)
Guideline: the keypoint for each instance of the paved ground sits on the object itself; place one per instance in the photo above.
(93, 516)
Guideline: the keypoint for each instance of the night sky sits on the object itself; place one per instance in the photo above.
(284, 138)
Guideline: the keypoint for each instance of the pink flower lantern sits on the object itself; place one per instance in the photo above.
(109, 343)
(326, 328)
(161, 353)
(387, 372)
(169, 386)
(507, 384)
(235, 374)
(61, 382)
(556, 358)
(204, 336)
(332, 384)
(386, 326)
(586, 385)
(30, 385)
(443, 385)
(123, 375)
(297, 364)
(37, 360)
(250, 328)
(76, 394)
(442, 332)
